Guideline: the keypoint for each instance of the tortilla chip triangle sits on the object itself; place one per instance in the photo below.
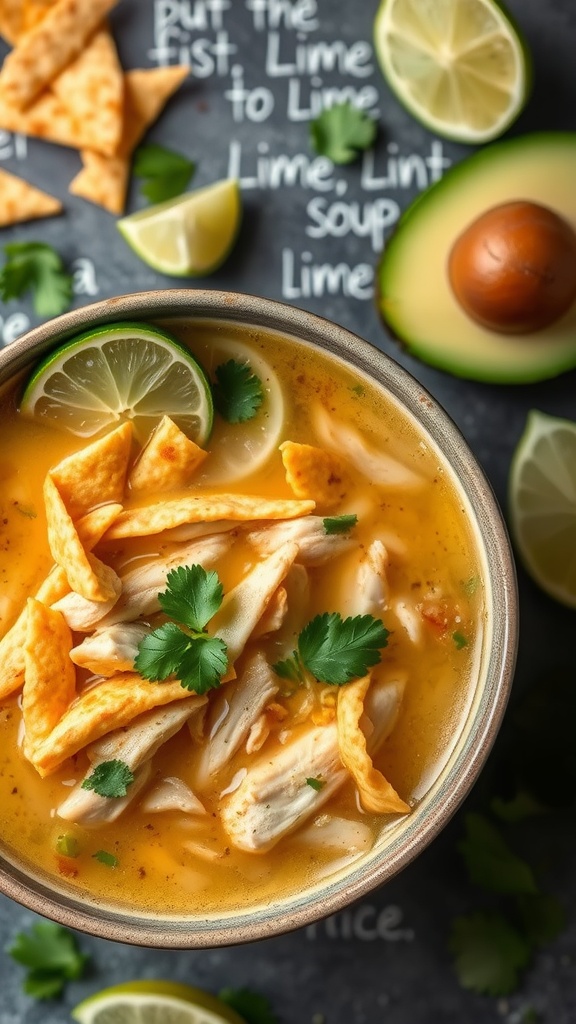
(43, 52)
(48, 118)
(167, 462)
(50, 676)
(11, 19)
(104, 181)
(96, 474)
(92, 90)
(20, 201)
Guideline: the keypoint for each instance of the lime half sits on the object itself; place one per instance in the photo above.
(118, 372)
(154, 1002)
(543, 504)
(460, 67)
(188, 236)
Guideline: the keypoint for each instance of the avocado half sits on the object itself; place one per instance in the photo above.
(414, 294)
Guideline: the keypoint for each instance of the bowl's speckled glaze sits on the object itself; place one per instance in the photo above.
(411, 835)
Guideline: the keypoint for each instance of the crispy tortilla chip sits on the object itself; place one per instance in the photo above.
(43, 52)
(314, 473)
(33, 12)
(50, 676)
(20, 201)
(86, 574)
(95, 474)
(203, 508)
(167, 462)
(104, 181)
(92, 89)
(11, 19)
(48, 118)
(90, 529)
(110, 705)
(12, 644)
(376, 793)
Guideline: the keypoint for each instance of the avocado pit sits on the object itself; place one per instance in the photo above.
(513, 269)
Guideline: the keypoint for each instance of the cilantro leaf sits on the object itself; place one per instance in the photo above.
(252, 1007)
(339, 524)
(459, 640)
(290, 669)
(110, 779)
(36, 267)
(106, 858)
(167, 174)
(542, 918)
(316, 784)
(238, 392)
(51, 954)
(205, 664)
(336, 650)
(192, 596)
(490, 861)
(489, 953)
(161, 652)
(341, 132)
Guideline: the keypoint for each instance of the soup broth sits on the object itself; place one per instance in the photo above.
(430, 599)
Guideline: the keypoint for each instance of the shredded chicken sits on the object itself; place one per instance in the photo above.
(232, 713)
(274, 797)
(140, 586)
(367, 592)
(110, 650)
(135, 745)
(315, 545)
(172, 794)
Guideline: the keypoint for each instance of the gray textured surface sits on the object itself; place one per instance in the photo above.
(372, 964)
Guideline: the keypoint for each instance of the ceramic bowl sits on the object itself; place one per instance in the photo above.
(412, 833)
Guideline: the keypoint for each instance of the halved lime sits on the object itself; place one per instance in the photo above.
(543, 504)
(461, 67)
(154, 1002)
(188, 236)
(118, 372)
(238, 449)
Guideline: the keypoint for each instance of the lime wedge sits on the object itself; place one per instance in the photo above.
(543, 504)
(118, 372)
(149, 1002)
(461, 67)
(188, 236)
(238, 449)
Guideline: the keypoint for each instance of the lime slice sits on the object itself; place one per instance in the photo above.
(543, 504)
(118, 372)
(188, 236)
(152, 1002)
(460, 67)
(238, 449)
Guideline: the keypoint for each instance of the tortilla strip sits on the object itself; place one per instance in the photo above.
(92, 89)
(20, 201)
(203, 508)
(33, 12)
(167, 462)
(110, 705)
(95, 474)
(313, 473)
(103, 180)
(10, 19)
(52, 589)
(48, 118)
(50, 676)
(86, 574)
(376, 793)
(43, 52)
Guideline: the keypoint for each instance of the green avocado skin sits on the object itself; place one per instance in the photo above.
(536, 167)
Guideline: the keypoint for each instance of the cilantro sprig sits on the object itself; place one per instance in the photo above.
(166, 173)
(341, 132)
(110, 779)
(339, 524)
(335, 650)
(37, 268)
(251, 1006)
(238, 392)
(51, 954)
(192, 597)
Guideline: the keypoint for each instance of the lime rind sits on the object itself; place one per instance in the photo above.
(167, 1001)
(121, 371)
(542, 504)
(416, 62)
(196, 231)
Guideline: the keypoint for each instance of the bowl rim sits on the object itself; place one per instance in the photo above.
(186, 933)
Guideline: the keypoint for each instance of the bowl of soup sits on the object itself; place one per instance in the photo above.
(243, 682)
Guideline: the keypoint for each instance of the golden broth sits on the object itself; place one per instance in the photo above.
(434, 567)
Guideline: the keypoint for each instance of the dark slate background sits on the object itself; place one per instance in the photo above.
(386, 960)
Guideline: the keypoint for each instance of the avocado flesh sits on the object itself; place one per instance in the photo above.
(415, 297)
